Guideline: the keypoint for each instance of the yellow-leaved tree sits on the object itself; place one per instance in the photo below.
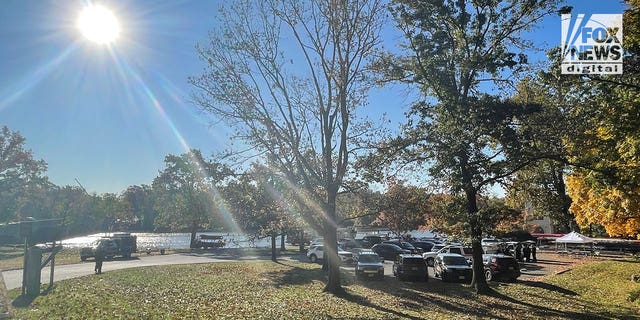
(606, 190)
(617, 210)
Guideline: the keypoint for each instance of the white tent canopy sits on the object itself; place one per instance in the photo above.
(574, 237)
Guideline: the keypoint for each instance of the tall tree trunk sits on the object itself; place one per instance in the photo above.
(331, 245)
(479, 283)
(301, 245)
(194, 230)
(282, 246)
(274, 257)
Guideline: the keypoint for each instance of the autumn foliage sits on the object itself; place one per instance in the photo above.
(617, 210)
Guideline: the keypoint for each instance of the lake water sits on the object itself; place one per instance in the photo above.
(172, 240)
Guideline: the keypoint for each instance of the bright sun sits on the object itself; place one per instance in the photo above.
(98, 24)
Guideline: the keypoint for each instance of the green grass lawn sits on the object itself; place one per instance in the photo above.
(13, 257)
(293, 290)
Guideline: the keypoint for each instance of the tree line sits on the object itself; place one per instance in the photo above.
(559, 145)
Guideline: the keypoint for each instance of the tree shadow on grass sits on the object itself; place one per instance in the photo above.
(367, 303)
(460, 299)
(595, 311)
(295, 275)
(23, 301)
(548, 287)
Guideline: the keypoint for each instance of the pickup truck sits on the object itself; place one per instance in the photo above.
(453, 248)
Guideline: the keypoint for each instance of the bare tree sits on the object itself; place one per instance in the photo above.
(287, 75)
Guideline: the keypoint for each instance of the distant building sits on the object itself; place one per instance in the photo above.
(543, 225)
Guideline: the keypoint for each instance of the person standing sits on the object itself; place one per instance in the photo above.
(533, 253)
(519, 252)
(527, 253)
(99, 258)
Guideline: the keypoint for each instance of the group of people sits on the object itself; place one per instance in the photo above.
(523, 252)
(526, 252)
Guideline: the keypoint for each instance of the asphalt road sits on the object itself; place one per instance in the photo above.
(13, 278)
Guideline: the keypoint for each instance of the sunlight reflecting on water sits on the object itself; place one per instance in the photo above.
(171, 240)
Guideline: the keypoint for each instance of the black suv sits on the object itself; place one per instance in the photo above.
(108, 246)
(500, 266)
(388, 251)
(410, 266)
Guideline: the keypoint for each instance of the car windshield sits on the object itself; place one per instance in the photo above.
(455, 261)
(369, 258)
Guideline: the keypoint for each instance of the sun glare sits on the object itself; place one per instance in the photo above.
(98, 24)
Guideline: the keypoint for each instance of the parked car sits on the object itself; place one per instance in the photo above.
(370, 241)
(500, 266)
(452, 267)
(316, 253)
(437, 247)
(452, 248)
(388, 251)
(369, 265)
(205, 241)
(410, 266)
(404, 245)
(424, 245)
(490, 245)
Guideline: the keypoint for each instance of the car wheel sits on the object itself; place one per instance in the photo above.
(430, 262)
(488, 275)
(313, 258)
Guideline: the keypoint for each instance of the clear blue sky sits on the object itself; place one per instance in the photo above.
(108, 117)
